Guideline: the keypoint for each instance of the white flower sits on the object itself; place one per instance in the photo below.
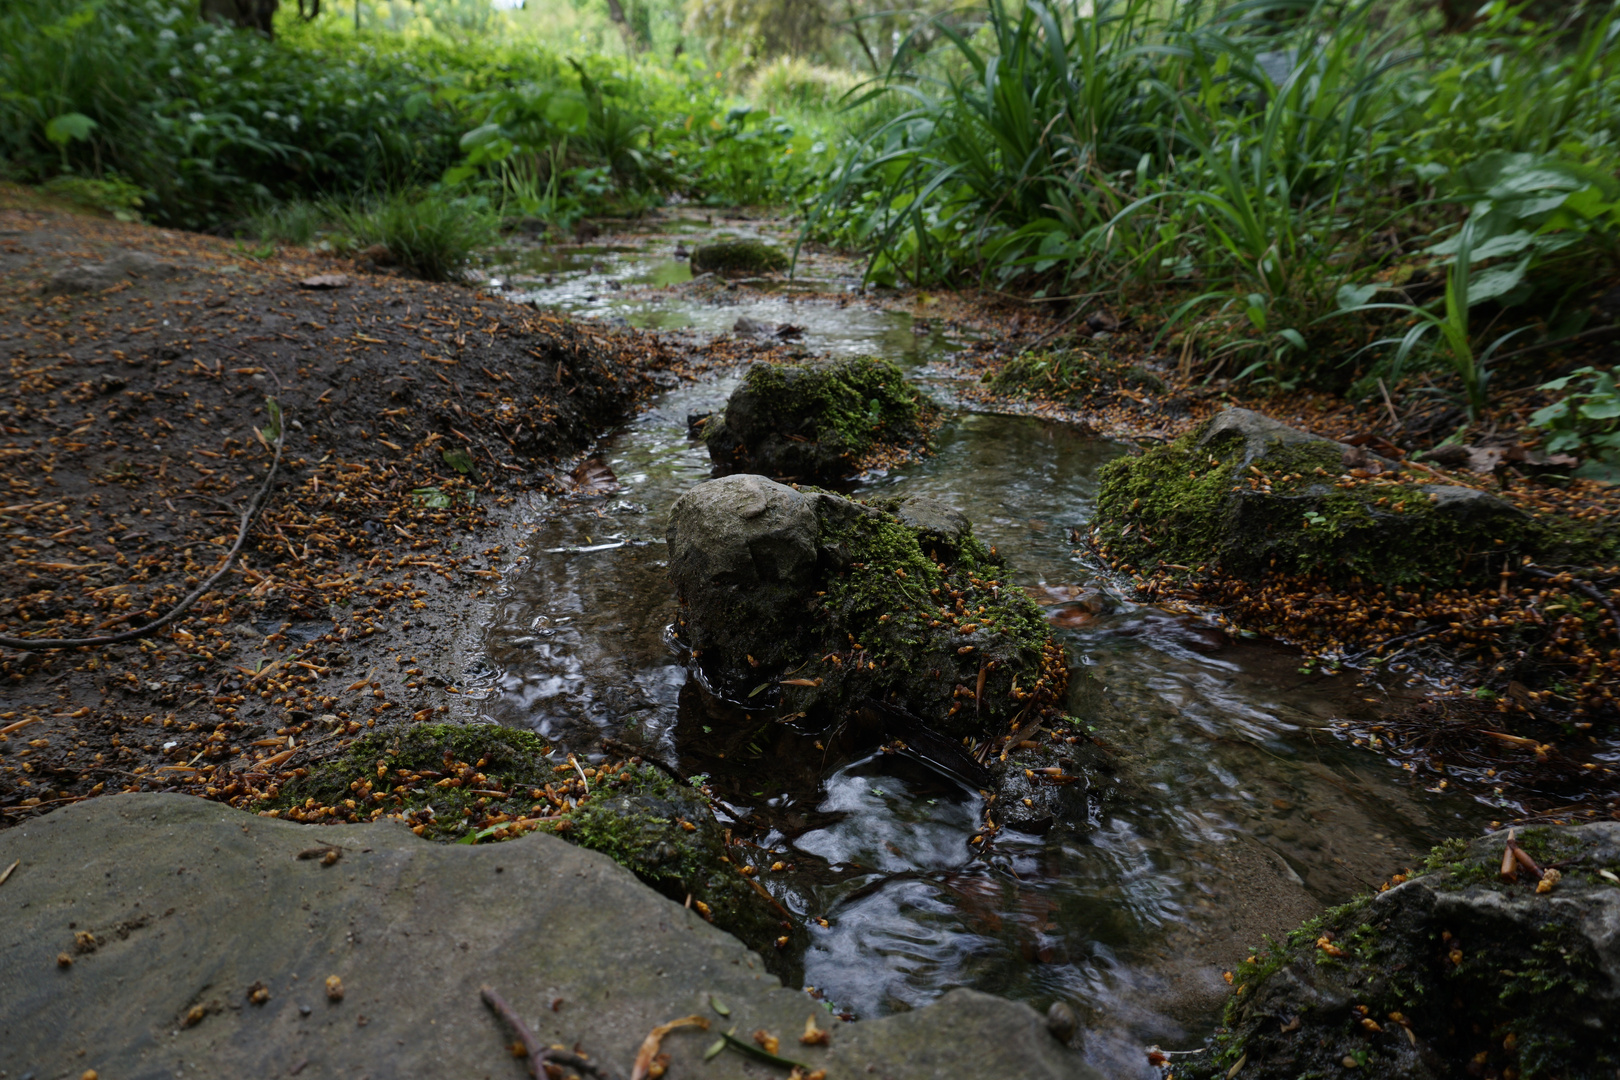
(271, 114)
(174, 72)
(199, 48)
(196, 118)
(293, 122)
(222, 71)
(167, 35)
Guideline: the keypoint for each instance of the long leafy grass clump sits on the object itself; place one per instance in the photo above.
(1266, 167)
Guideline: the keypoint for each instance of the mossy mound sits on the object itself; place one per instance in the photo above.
(739, 257)
(1454, 973)
(818, 421)
(1248, 496)
(808, 602)
(1074, 377)
(471, 783)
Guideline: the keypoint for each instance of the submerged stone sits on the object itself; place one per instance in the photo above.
(817, 421)
(739, 257)
(811, 603)
(1456, 972)
(1248, 495)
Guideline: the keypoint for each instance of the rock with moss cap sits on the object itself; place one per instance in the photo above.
(1247, 495)
(739, 257)
(1453, 973)
(818, 421)
(482, 782)
(811, 603)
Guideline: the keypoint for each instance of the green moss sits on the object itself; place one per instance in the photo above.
(1292, 511)
(1073, 376)
(918, 622)
(818, 421)
(469, 782)
(1468, 983)
(739, 257)
(664, 833)
(430, 774)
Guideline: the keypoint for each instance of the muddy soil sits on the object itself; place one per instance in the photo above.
(132, 429)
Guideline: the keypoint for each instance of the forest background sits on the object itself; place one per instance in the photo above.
(1364, 197)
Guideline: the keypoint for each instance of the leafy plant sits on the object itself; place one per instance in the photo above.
(1463, 291)
(432, 237)
(1585, 420)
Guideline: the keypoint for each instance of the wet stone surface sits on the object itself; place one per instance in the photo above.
(248, 931)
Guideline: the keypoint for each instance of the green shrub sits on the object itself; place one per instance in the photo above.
(431, 236)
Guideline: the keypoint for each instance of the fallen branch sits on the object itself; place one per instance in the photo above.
(248, 516)
(539, 1054)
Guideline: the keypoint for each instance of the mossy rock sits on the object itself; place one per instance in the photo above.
(817, 421)
(1454, 973)
(809, 603)
(1250, 496)
(739, 257)
(467, 783)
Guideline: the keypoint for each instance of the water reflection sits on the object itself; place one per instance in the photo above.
(1242, 814)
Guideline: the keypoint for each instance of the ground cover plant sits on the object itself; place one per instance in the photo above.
(1286, 184)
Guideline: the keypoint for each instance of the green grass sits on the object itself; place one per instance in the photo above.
(1260, 170)
(433, 238)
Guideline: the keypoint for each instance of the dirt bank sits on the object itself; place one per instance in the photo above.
(140, 362)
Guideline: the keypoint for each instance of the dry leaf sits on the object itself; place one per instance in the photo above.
(325, 281)
(647, 1056)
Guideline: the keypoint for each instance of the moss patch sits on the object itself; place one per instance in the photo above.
(1436, 978)
(475, 783)
(739, 257)
(903, 605)
(1296, 510)
(819, 421)
(1075, 377)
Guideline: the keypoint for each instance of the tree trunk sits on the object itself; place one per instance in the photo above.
(247, 14)
(631, 38)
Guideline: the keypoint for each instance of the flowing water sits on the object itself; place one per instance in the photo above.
(1244, 815)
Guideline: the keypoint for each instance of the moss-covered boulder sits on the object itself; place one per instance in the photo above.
(1247, 495)
(739, 257)
(473, 783)
(818, 421)
(1455, 973)
(809, 603)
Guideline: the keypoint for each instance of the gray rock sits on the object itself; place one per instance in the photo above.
(1449, 965)
(188, 904)
(93, 277)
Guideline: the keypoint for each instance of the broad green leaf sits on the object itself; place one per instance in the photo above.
(64, 129)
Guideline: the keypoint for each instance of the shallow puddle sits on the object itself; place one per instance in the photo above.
(1245, 813)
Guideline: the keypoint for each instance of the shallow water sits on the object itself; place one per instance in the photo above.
(1247, 813)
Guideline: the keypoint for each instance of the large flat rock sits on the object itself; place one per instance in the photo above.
(192, 903)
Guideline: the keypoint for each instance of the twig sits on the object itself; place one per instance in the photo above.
(538, 1053)
(196, 594)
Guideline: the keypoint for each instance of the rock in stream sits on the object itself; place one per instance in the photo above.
(1456, 972)
(1249, 495)
(816, 421)
(158, 935)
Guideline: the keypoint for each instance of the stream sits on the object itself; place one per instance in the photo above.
(1248, 813)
